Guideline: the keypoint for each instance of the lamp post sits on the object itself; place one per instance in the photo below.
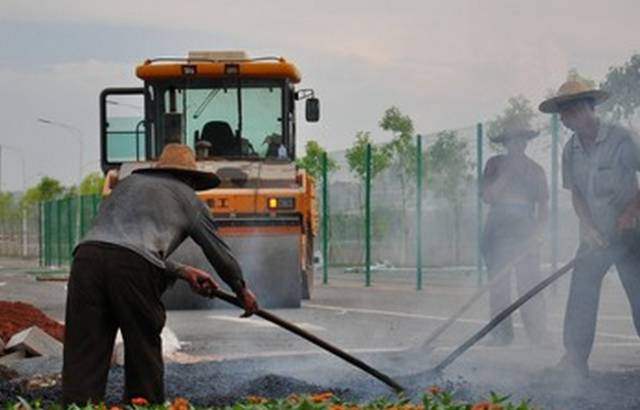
(76, 133)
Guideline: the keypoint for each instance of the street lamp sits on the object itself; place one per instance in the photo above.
(76, 133)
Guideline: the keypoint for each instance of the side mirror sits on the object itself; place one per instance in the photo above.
(312, 109)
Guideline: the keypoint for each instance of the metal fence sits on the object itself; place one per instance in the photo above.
(371, 220)
(64, 222)
(392, 220)
(19, 233)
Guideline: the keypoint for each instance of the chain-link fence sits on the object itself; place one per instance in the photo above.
(423, 208)
(64, 222)
(404, 211)
(19, 232)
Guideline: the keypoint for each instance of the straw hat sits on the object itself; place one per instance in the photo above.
(515, 128)
(179, 160)
(570, 91)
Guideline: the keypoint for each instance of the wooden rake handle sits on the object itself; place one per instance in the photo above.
(229, 298)
(503, 315)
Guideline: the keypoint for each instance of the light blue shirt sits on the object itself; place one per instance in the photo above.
(606, 176)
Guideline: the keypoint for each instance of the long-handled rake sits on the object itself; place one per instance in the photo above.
(505, 271)
(229, 298)
(501, 316)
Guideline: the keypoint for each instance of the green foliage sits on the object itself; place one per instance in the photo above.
(357, 154)
(623, 83)
(449, 167)
(402, 147)
(449, 174)
(519, 110)
(70, 192)
(92, 184)
(434, 400)
(8, 208)
(46, 190)
(402, 150)
(393, 120)
(312, 160)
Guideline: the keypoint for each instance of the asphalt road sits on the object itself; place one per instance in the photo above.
(376, 323)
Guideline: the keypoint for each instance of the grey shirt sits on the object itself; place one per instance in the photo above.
(151, 214)
(606, 176)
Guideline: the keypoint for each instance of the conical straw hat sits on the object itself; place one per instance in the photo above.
(572, 90)
(515, 128)
(179, 160)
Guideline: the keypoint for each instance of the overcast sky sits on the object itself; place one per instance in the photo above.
(448, 64)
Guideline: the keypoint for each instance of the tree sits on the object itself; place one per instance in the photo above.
(449, 175)
(518, 110)
(46, 190)
(623, 85)
(92, 184)
(312, 160)
(8, 208)
(356, 158)
(402, 150)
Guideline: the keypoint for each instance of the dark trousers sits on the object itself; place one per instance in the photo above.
(112, 288)
(506, 232)
(584, 293)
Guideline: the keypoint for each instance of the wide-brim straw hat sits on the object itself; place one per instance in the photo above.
(179, 160)
(572, 90)
(515, 128)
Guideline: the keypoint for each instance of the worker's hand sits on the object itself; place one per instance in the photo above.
(249, 302)
(594, 237)
(200, 281)
(628, 219)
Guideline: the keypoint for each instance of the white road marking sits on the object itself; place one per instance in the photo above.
(625, 318)
(3, 283)
(343, 310)
(182, 357)
(617, 336)
(621, 344)
(262, 323)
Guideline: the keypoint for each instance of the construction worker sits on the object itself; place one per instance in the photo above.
(515, 187)
(599, 165)
(121, 268)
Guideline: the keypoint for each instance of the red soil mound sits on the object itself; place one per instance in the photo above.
(17, 316)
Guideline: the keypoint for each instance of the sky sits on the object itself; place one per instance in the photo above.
(446, 64)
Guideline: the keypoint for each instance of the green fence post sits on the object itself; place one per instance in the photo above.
(479, 135)
(555, 134)
(419, 212)
(70, 228)
(367, 216)
(41, 256)
(81, 215)
(59, 231)
(325, 219)
(48, 251)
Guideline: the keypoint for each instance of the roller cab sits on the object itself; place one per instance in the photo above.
(238, 114)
